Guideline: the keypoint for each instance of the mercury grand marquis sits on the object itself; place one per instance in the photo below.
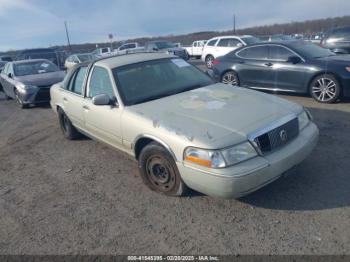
(184, 130)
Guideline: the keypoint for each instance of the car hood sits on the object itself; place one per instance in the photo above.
(46, 79)
(215, 115)
(338, 59)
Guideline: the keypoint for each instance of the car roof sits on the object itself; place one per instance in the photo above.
(121, 60)
(230, 36)
(38, 50)
(29, 61)
(287, 43)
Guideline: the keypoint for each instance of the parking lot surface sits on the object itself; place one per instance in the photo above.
(69, 197)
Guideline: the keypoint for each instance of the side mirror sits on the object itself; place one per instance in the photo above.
(294, 59)
(10, 75)
(101, 100)
(239, 45)
(155, 49)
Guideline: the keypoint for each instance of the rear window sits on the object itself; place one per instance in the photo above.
(340, 33)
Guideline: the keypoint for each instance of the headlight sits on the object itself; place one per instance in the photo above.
(347, 68)
(239, 153)
(304, 119)
(25, 87)
(207, 158)
(220, 158)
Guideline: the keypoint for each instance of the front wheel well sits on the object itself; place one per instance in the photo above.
(228, 70)
(208, 56)
(142, 142)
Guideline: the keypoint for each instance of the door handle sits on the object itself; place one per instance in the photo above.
(86, 108)
(241, 62)
(268, 64)
(65, 99)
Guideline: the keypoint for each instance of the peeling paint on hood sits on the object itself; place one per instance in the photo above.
(215, 114)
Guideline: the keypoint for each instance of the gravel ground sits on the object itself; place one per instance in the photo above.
(81, 197)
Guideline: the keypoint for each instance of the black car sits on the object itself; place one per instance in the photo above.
(29, 81)
(337, 40)
(166, 47)
(294, 66)
(41, 53)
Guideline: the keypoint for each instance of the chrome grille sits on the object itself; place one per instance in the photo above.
(278, 136)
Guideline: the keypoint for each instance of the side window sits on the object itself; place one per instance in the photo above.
(10, 69)
(122, 47)
(100, 83)
(256, 52)
(5, 69)
(229, 42)
(279, 53)
(195, 44)
(212, 42)
(77, 81)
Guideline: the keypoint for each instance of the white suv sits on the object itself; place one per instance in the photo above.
(222, 45)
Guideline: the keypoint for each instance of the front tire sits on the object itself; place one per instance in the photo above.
(68, 130)
(230, 78)
(325, 89)
(209, 61)
(159, 171)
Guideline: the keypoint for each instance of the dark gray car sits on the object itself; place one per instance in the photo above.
(29, 81)
(166, 47)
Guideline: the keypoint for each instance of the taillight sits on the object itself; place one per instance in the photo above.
(216, 62)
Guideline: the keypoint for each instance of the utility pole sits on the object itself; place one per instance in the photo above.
(67, 34)
(234, 24)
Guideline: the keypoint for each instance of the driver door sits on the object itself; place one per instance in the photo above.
(102, 121)
(287, 76)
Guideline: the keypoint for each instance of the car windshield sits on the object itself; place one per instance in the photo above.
(85, 57)
(6, 58)
(251, 40)
(163, 45)
(311, 50)
(34, 68)
(146, 81)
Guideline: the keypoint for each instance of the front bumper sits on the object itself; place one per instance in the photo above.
(35, 95)
(248, 176)
(214, 74)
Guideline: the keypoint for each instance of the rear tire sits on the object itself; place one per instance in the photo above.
(230, 78)
(68, 130)
(209, 61)
(325, 89)
(159, 171)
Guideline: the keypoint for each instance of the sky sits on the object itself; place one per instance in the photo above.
(40, 23)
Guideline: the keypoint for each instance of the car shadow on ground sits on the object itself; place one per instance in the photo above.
(322, 181)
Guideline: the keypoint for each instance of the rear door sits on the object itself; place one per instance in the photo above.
(102, 122)
(73, 97)
(287, 76)
(254, 67)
